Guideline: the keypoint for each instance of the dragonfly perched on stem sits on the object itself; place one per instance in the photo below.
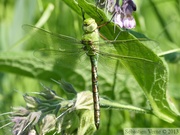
(69, 49)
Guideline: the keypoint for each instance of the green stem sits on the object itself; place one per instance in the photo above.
(159, 16)
(111, 104)
(113, 96)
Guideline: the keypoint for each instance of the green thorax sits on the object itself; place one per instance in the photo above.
(90, 37)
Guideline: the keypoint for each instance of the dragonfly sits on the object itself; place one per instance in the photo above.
(69, 49)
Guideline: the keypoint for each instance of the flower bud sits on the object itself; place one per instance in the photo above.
(48, 124)
(31, 102)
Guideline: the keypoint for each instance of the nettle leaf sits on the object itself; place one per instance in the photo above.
(147, 68)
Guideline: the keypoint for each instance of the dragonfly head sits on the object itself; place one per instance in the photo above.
(89, 25)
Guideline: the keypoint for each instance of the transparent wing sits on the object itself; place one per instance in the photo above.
(65, 50)
(140, 60)
(129, 46)
(53, 40)
(128, 50)
(109, 62)
(68, 59)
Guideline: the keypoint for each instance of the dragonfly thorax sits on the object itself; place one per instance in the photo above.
(90, 39)
(91, 50)
(89, 25)
(90, 42)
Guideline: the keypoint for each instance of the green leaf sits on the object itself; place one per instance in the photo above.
(148, 69)
(24, 63)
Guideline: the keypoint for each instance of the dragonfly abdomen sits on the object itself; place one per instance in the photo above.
(95, 90)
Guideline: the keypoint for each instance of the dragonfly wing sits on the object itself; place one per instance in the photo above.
(129, 46)
(109, 65)
(130, 51)
(52, 40)
(110, 61)
(62, 58)
(63, 50)
(141, 61)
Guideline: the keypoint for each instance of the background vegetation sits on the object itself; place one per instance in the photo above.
(157, 19)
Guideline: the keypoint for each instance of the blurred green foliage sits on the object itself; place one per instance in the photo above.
(157, 19)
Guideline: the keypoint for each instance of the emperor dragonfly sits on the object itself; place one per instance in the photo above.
(70, 47)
